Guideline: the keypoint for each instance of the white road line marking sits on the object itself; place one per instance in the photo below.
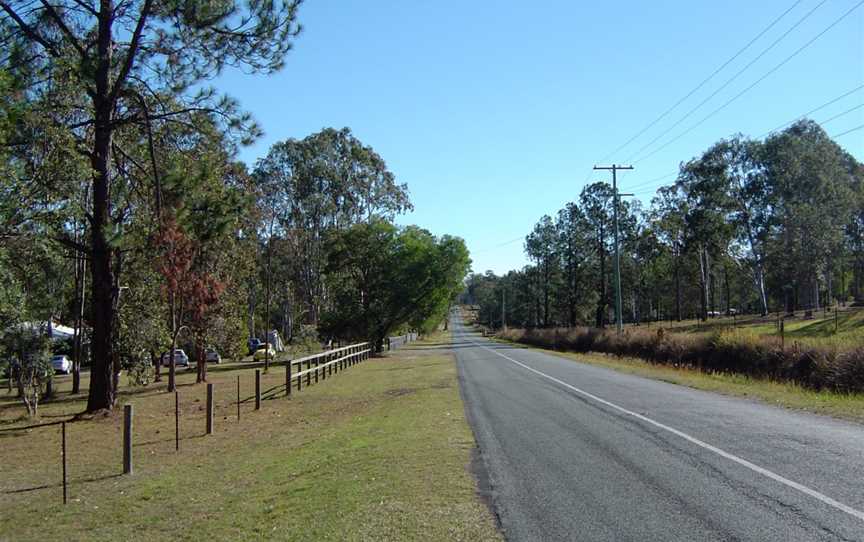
(743, 462)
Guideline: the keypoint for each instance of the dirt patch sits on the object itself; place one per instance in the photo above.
(484, 490)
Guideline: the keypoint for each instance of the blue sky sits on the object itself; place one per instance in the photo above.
(494, 112)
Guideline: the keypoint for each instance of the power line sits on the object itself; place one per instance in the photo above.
(821, 107)
(654, 180)
(648, 186)
(505, 243)
(639, 190)
(844, 113)
(704, 81)
(835, 136)
(731, 79)
(765, 76)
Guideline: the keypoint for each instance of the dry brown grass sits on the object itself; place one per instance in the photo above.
(725, 352)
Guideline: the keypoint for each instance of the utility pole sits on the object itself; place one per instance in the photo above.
(616, 197)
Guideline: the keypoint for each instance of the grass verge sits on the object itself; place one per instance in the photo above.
(783, 394)
(377, 452)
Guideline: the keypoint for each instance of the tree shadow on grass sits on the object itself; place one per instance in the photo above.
(166, 440)
(59, 485)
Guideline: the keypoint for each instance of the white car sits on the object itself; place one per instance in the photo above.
(61, 364)
(180, 358)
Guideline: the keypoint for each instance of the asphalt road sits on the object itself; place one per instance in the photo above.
(579, 452)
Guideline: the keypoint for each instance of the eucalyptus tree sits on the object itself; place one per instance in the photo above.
(854, 234)
(741, 192)
(327, 181)
(386, 277)
(135, 62)
(667, 221)
(812, 194)
(708, 232)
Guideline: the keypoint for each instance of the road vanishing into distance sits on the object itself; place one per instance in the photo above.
(572, 451)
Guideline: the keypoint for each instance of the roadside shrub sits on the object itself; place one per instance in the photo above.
(721, 352)
(846, 373)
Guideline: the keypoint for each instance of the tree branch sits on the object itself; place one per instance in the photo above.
(28, 30)
(133, 50)
(59, 20)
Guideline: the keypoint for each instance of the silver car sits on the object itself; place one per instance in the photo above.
(180, 358)
(212, 356)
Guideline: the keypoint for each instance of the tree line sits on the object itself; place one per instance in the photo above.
(755, 226)
(125, 213)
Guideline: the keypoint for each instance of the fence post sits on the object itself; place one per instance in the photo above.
(316, 370)
(288, 379)
(63, 450)
(238, 398)
(257, 389)
(210, 409)
(127, 439)
(299, 376)
(836, 318)
(177, 421)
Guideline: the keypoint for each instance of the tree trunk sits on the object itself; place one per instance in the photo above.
(175, 330)
(546, 293)
(201, 361)
(269, 280)
(102, 392)
(703, 283)
(157, 365)
(77, 343)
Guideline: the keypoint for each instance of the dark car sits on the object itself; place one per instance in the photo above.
(254, 344)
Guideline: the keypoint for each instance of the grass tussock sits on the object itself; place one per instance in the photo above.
(811, 367)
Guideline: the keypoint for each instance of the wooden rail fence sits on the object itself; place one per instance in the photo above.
(311, 369)
(401, 340)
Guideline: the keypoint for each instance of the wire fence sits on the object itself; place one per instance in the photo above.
(192, 413)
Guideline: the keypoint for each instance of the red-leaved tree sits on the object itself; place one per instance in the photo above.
(175, 253)
(191, 291)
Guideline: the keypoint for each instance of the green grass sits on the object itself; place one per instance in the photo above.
(379, 452)
(783, 394)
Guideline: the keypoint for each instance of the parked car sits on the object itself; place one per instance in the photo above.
(61, 364)
(254, 344)
(212, 356)
(261, 353)
(180, 358)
